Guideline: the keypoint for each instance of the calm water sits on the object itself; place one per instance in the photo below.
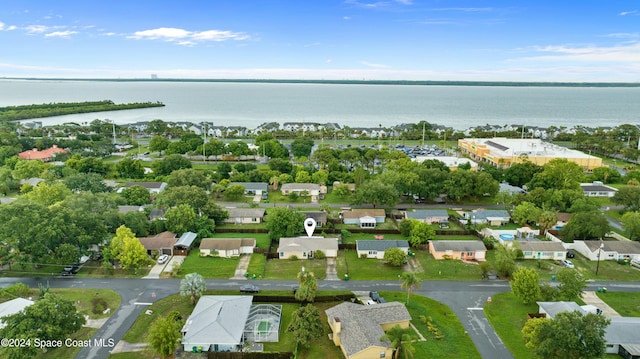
(250, 104)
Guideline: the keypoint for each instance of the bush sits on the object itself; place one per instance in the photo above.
(363, 256)
(98, 305)
(405, 227)
(345, 233)
(293, 258)
(319, 255)
(18, 290)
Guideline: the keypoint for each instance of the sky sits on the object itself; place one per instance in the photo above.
(479, 40)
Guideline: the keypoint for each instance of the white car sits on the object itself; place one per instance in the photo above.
(567, 263)
(163, 259)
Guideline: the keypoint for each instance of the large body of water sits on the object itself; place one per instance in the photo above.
(354, 105)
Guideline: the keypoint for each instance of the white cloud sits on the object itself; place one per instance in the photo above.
(61, 34)
(346, 18)
(405, 2)
(185, 37)
(625, 13)
(1, 25)
(11, 27)
(36, 29)
(370, 64)
(629, 52)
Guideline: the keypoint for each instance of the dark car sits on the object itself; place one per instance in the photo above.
(570, 254)
(65, 273)
(375, 296)
(249, 288)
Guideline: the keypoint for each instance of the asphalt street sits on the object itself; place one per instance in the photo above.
(466, 299)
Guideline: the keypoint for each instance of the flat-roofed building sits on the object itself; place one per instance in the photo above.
(503, 152)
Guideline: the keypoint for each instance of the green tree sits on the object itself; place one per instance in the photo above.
(90, 182)
(631, 223)
(50, 318)
(401, 339)
(568, 335)
(28, 169)
(410, 281)
(376, 193)
(307, 287)
(395, 256)
(283, 222)
(67, 253)
(505, 262)
(188, 177)
(136, 195)
(159, 144)
(547, 220)
(525, 285)
(169, 164)
(128, 168)
(558, 173)
(234, 193)
(133, 254)
(342, 191)
(165, 334)
(301, 146)
(405, 226)
(526, 212)
(629, 197)
(180, 219)
(48, 194)
(306, 325)
(520, 174)
(421, 233)
(303, 177)
(605, 175)
(586, 225)
(192, 286)
(572, 284)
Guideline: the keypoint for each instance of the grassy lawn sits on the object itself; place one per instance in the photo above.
(257, 265)
(456, 238)
(455, 343)
(364, 269)
(288, 269)
(139, 331)
(208, 267)
(508, 315)
(70, 352)
(625, 303)
(83, 298)
(445, 269)
(146, 354)
(262, 239)
(366, 236)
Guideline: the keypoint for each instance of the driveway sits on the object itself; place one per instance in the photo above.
(241, 269)
(593, 299)
(174, 261)
(332, 272)
(154, 273)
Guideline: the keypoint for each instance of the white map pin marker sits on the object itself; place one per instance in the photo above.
(309, 226)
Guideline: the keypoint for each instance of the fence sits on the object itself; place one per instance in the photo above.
(241, 355)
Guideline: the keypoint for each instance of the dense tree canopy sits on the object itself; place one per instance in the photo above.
(283, 222)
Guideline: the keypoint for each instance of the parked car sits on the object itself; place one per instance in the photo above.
(567, 263)
(163, 259)
(65, 273)
(570, 254)
(374, 296)
(249, 288)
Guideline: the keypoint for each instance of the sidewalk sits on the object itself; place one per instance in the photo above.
(332, 272)
(592, 298)
(241, 269)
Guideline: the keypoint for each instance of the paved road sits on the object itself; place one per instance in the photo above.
(464, 298)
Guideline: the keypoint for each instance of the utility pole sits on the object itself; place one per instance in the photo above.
(204, 145)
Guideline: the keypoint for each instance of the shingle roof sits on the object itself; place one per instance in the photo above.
(553, 308)
(381, 245)
(245, 212)
(319, 216)
(595, 187)
(300, 186)
(546, 246)
(217, 319)
(427, 213)
(252, 186)
(361, 324)
(226, 244)
(490, 213)
(306, 244)
(147, 185)
(359, 213)
(159, 241)
(623, 247)
(458, 246)
(624, 330)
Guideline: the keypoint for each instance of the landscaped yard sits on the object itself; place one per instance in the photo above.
(445, 269)
(508, 315)
(208, 267)
(262, 239)
(364, 269)
(289, 269)
(626, 304)
(257, 265)
(368, 236)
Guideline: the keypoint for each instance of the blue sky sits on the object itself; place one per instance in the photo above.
(543, 40)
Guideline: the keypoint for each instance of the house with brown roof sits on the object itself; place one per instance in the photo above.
(358, 329)
(364, 218)
(226, 247)
(245, 215)
(45, 155)
(161, 242)
(464, 250)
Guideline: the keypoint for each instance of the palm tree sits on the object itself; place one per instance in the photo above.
(547, 220)
(400, 339)
(274, 181)
(410, 281)
(192, 286)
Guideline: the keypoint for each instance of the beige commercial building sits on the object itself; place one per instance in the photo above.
(503, 152)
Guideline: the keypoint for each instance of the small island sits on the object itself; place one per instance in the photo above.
(23, 112)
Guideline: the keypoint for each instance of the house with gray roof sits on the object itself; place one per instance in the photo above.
(313, 190)
(12, 307)
(254, 188)
(358, 329)
(598, 189)
(551, 309)
(319, 216)
(376, 248)
(245, 215)
(226, 247)
(304, 247)
(611, 250)
(184, 243)
(494, 217)
(217, 323)
(463, 250)
(428, 215)
(152, 187)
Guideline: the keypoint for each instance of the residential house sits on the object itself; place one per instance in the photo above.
(506, 187)
(351, 186)
(611, 250)
(563, 219)
(428, 215)
(358, 329)
(304, 247)
(543, 250)
(245, 215)
(315, 191)
(161, 242)
(226, 247)
(364, 218)
(217, 324)
(494, 217)
(319, 216)
(33, 181)
(376, 248)
(184, 244)
(253, 188)
(128, 209)
(451, 162)
(551, 309)
(598, 189)
(11, 307)
(464, 250)
(45, 155)
(152, 187)
(157, 214)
